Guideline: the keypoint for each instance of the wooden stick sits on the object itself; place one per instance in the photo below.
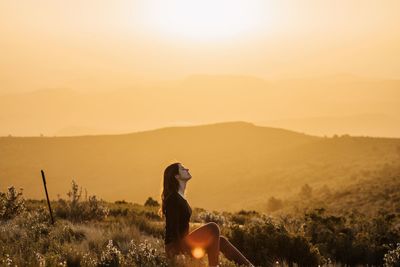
(47, 196)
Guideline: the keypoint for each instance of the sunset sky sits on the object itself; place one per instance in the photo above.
(106, 45)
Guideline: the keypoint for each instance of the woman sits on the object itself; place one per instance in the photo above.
(177, 213)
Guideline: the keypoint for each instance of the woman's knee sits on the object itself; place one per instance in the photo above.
(214, 228)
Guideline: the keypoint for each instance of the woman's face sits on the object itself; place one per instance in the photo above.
(183, 173)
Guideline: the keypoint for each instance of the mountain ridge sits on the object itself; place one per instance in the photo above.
(201, 100)
(227, 160)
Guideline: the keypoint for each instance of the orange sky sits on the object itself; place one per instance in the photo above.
(88, 45)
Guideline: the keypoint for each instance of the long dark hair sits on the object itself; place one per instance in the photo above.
(170, 184)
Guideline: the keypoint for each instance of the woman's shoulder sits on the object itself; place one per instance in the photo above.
(174, 196)
(175, 199)
(172, 201)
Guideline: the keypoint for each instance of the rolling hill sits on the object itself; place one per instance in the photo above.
(337, 102)
(234, 164)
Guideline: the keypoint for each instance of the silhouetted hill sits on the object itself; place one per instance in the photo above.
(204, 99)
(234, 165)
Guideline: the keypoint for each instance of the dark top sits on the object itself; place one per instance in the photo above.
(177, 215)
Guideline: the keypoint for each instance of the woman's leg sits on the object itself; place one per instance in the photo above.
(232, 253)
(206, 237)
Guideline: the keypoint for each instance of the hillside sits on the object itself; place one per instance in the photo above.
(338, 102)
(234, 165)
(378, 192)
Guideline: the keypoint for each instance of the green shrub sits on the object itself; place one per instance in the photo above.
(358, 241)
(274, 204)
(238, 218)
(116, 212)
(265, 242)
(208, 216)
(111, 256)
(392, 258)
(145, 254)
(151, 202)
(11, 203)
(76, 210)
(120, 202)
(155, 229)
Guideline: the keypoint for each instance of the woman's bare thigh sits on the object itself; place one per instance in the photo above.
(203, 236)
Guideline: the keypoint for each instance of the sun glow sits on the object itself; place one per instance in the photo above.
(198, 253)
(206, 19)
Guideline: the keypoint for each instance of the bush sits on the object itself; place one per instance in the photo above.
(359, 242)
(265, 242)
(36, 222)
(111, 256)
(238, 219)
(120, 202)
(118, 212)
(151, 202)
(76, 210)
(274, 204)
(241, 217)
(207, 216)
(306, 191)
(145, 254)
(11, 203)
(248, 212)
(145, 225)
(392, 258)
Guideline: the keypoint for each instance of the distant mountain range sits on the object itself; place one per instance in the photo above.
(234, 164)
(339, 104)
(378, 125)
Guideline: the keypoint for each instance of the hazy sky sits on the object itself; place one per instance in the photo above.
(117, 44)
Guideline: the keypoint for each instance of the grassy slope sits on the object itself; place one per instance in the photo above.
(378, 192)
(234, 165)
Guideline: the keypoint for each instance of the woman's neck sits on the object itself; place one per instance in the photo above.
(182, 187)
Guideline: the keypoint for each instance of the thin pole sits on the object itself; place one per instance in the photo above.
(47, 196)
